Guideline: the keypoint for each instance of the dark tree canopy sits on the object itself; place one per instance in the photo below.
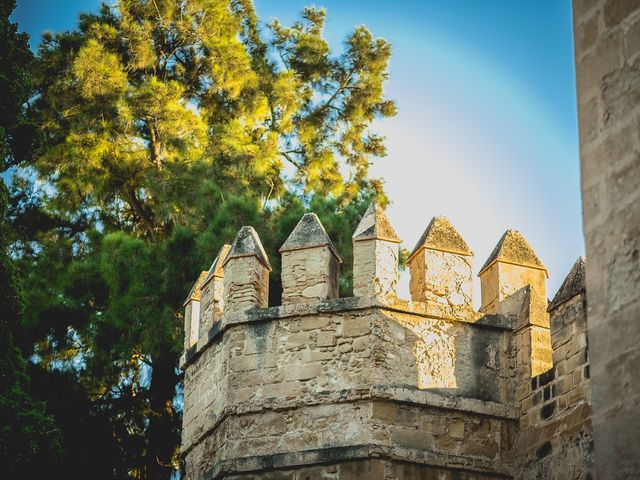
(28, 434)
(164, 127)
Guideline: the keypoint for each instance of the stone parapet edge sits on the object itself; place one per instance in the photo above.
(403, 395)
(331, 455)
(347, 304)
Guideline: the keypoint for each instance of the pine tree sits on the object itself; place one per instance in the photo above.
(166, 126)
(27, 431)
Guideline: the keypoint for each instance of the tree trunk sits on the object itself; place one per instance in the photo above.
(163, 433)
(154, 144)
(138, 207)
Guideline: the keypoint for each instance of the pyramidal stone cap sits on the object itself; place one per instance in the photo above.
(513, 248)
(216, 267)
(574, 284)
(196, 291)
(440, 235)
(247, 244)
(375, 226)
(309, 233)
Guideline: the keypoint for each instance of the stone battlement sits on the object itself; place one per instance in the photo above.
(374, 386)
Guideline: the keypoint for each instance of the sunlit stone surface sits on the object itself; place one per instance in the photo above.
(377, 387)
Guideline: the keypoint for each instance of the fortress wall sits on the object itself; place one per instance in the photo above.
(444, 355)
(607, 56)
(369, 468)
(555, 439)
(373, 384)
(293, 378)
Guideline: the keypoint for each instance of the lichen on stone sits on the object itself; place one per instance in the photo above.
(514, 248)
(247, 244)
(375, 225)
(440, 235)
(309, 233)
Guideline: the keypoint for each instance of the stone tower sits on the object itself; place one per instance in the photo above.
(607, 60)
(377, 387)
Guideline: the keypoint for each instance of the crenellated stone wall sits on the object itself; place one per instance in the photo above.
(374, 386)
(554, 438)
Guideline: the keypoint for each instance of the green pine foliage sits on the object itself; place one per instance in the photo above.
(164, 127)
(28, 433)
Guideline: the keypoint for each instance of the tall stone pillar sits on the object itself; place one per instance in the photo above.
(212, 294)
(513, 283)
(192, 313)
(440, 266)
(375, 255)
(246, 273)
(607, 56)
(310, 263)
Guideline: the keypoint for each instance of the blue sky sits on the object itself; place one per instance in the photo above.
(486, 131)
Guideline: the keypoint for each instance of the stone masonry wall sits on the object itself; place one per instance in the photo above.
(607, 56)
(344, 378)
(445, 278)
(554, 439)
(211, 304)
(375, 270)
(366, 469)
(240, 282)
(313, 275)
(377, 387)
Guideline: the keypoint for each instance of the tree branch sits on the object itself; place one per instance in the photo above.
(154, 144)
(140, 210)
(291, 160)
(341, 88)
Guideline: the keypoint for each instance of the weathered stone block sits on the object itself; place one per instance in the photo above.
(192, 313)
(633, 40)
(615, 11)
(356, 326)
(375, 256)
(246, 273)
(440, 267)
(602, 60)
(326, 339)
(212, 296)
(587, 31)
(302, 372)
(310, 263)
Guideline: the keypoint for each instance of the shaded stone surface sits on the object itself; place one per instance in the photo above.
(573, 284)
(212, 307)
(555, 435)
(192, 314)
(247, 243)
(308, 233)
(375, 225)
(607, 57)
